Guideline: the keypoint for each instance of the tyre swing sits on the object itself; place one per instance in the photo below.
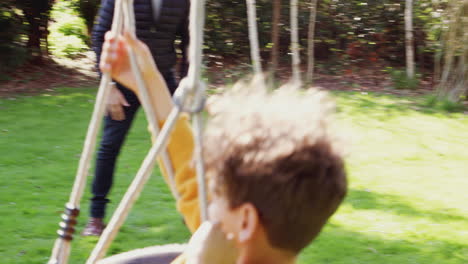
(189, 98)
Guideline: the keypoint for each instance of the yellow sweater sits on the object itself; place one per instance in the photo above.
(180, 148)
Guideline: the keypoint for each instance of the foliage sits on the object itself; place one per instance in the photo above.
(12, 49)
(401, 80)
(226, 28)
(68, 34)
(454, 76)
(444, 104)
(36, 14)
(406, 203)
(357, 26)
(348, 31)
(88, 10)
(23, 33)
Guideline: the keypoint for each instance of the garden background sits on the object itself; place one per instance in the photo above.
(406, 122)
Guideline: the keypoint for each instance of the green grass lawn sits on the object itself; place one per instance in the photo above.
(407, 202)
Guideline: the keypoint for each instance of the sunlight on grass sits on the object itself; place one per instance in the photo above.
(406, 204)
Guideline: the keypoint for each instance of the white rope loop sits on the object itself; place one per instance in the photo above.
(188, 100)
(133, 192)
(192, 101)
(196, 25)
(62, 247)
(200, 168)
(145, 98)
(191, 97)
(195, 93)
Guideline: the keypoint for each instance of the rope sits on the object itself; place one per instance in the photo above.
(145, 101)
(296, 61)
(62, 245)
(191, 91)
(253, 37)
(196, 26)
(202, 191)
(130, 197)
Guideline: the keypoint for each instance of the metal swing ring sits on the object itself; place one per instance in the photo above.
(190, 99)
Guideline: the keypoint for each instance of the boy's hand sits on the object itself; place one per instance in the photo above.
(115, 104)
(115, 58)
(209, 245)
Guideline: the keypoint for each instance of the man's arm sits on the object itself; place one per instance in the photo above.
(209, 244)
(116, 99)
(104, 24)
(115, 61)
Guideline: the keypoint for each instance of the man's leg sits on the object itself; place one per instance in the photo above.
(113, 137)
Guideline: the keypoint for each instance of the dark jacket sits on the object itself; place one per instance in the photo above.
(159, 35)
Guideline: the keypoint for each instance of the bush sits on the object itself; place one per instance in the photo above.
(11, 57)
(400, 79)
(443, 103)
(72, 28)
(66, 46)
(67, 36)
(12, 50)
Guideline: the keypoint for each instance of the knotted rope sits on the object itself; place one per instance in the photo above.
(192, 93)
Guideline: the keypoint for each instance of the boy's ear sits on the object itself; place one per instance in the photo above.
(249, 222)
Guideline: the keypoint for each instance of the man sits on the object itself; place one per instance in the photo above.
(158, 24)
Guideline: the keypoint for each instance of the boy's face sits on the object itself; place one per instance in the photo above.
(238, 224)
(220, 212)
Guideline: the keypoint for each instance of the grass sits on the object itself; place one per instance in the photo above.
(407, 200)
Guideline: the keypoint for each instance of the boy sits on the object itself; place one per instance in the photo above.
(275, 172)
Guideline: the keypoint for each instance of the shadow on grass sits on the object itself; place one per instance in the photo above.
(336, 245)
(368, 200)
(34, 79)
(390, 105)
(339, 245)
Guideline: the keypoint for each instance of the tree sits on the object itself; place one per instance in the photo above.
(275, 36)
(311, 39)
(409, 41)
(36, 13)
(12, 50)
(454, 81)
(88, 10)
(253, 36)
(296, 61)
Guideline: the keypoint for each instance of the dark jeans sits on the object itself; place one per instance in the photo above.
(113, 137)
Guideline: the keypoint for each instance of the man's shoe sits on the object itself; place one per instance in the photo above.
(94, 227)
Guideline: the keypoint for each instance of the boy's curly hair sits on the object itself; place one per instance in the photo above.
(277, 151)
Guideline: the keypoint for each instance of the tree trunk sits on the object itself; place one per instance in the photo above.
(44, 30)
(253, 37)
(88, 10)
(34, 34)
(311, 38)
(296, 61)
(454, 81)
(275, 36)
(37, 13)
(409, 40)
